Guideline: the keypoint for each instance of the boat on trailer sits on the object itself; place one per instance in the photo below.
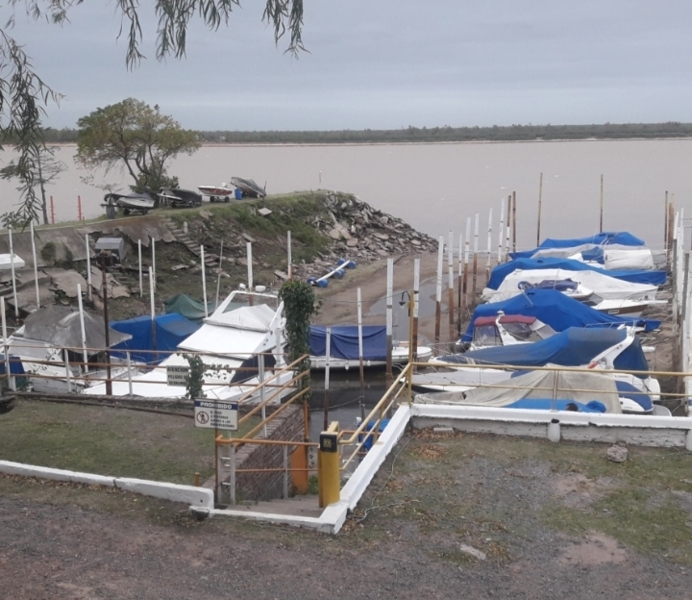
(177, 198)
(216, 193)
(249, 187)
(127, 204)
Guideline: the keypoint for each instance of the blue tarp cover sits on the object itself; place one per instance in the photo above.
(344, 342)
(604, 238)
(171, 329)
(547, 404)
(633, 276)
(571, 348)
(555, 309)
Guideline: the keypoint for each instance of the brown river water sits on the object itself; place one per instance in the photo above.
(435, 187)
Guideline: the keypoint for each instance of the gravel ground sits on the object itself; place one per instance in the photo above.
(409, 538)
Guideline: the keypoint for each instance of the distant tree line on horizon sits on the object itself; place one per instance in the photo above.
(495, 133)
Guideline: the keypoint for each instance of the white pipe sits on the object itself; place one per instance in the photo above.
(327, 364)
(360, 325)
(476, 227)
(502, 231)
(250, 282)
(88, 259)
(416, 287)
(461, 251)
(450, 262)
(139, 255)
(490, 235)
(467, 241)
(218, 279)
(151, 293)
(85, 356)
(390, 294)
(204, 282)
(290, 259)
(33, 254)
(14, 280)
(153, 259)
(67, 370)
(440, 256)
(3, 316)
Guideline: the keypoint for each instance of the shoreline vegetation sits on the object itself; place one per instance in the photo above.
(444, 134)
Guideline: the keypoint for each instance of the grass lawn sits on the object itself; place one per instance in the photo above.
(108, 441)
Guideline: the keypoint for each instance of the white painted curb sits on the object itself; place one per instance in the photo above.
(196, 497)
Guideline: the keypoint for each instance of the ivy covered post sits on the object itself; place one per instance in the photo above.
(195, 379)
(300, 304)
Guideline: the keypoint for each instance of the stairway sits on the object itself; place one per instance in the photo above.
(210, 260)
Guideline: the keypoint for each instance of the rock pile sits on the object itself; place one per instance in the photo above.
(363, 233)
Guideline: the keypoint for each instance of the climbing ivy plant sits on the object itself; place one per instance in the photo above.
(300, 304)
(195, 377)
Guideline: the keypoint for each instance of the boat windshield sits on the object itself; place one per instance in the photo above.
(242, 299)
(522, 332)
(486, 335)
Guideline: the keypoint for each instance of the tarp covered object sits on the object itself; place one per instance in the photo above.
(171, 330)
(537, 385)
(188, 307)
(344, 342)
(605, 237)
(60, 326)
(571, 348)
(555, 309)
(634, 276)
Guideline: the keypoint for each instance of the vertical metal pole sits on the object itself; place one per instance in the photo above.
(290, 259)
(476, 227)
(153, 259)
(33, 255)
(88, 259)
(489, 254)
(438, 289)
(218, 279)
(450, 283)
(14, 279)
(68, 375)
(250, 281)
(540, 204)
(467, 245)
(600, 223)
(204, 281)
(360, 340)
(416, 290)
(85, 355)
(139, 256)
(665, 228)
(502, 231)
(129, 372)
(460, 277)
(109, 383)
(509, 225)
(8, 372)
(514, 221)
(152, 309)
(231, 463)
(390, 294)
(327, 365)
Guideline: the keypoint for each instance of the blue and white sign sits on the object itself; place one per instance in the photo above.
(216, 414)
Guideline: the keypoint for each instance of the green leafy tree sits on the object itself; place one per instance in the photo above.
(40, 169)
(135, 136)
(24, 94)
(300, 304)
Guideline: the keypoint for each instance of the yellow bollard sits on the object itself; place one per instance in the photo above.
(329, 472)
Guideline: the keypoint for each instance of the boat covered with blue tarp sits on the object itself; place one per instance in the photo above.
(171, 330)
(554, 308)
(499, 273)
(605, 238)
(344, 342)
(574, 347)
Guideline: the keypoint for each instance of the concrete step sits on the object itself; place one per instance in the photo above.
(305, 506)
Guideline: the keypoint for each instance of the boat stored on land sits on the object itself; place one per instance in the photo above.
(127, 204)
(217, 193)
(249, 187)
(177, 198)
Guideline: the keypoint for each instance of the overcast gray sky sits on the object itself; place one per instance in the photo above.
(388, 64)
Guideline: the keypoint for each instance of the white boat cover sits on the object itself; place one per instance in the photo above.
(608, 288)
(6, 262)
(252, 318)
(615, 256)
(535, 384)
(216, 339)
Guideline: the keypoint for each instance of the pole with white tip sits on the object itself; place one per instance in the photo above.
(289, 271)
(14, 280)
(88, 259)
(450, 283)
(204, 282)
(489, 254)
(85, 356)
(438, 287)
(139, 256)
(33, 255)
(502, 231)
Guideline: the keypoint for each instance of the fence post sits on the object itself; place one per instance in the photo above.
(285, 472)
(231, 464)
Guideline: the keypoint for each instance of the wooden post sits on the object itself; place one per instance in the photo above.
(289, 270)
(79, 208)
(540, 203)
(6, 348)
(438, 289)
(665, 225)
(52, 211)
(85, 356)
(139, 257)
(360, 342)
(218, 279)
(600, 225)
(250, 281)
(460, 278)
(153, 311)
(88, 259)
(14, 279)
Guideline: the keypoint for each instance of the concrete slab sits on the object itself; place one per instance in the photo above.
(66, 281)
